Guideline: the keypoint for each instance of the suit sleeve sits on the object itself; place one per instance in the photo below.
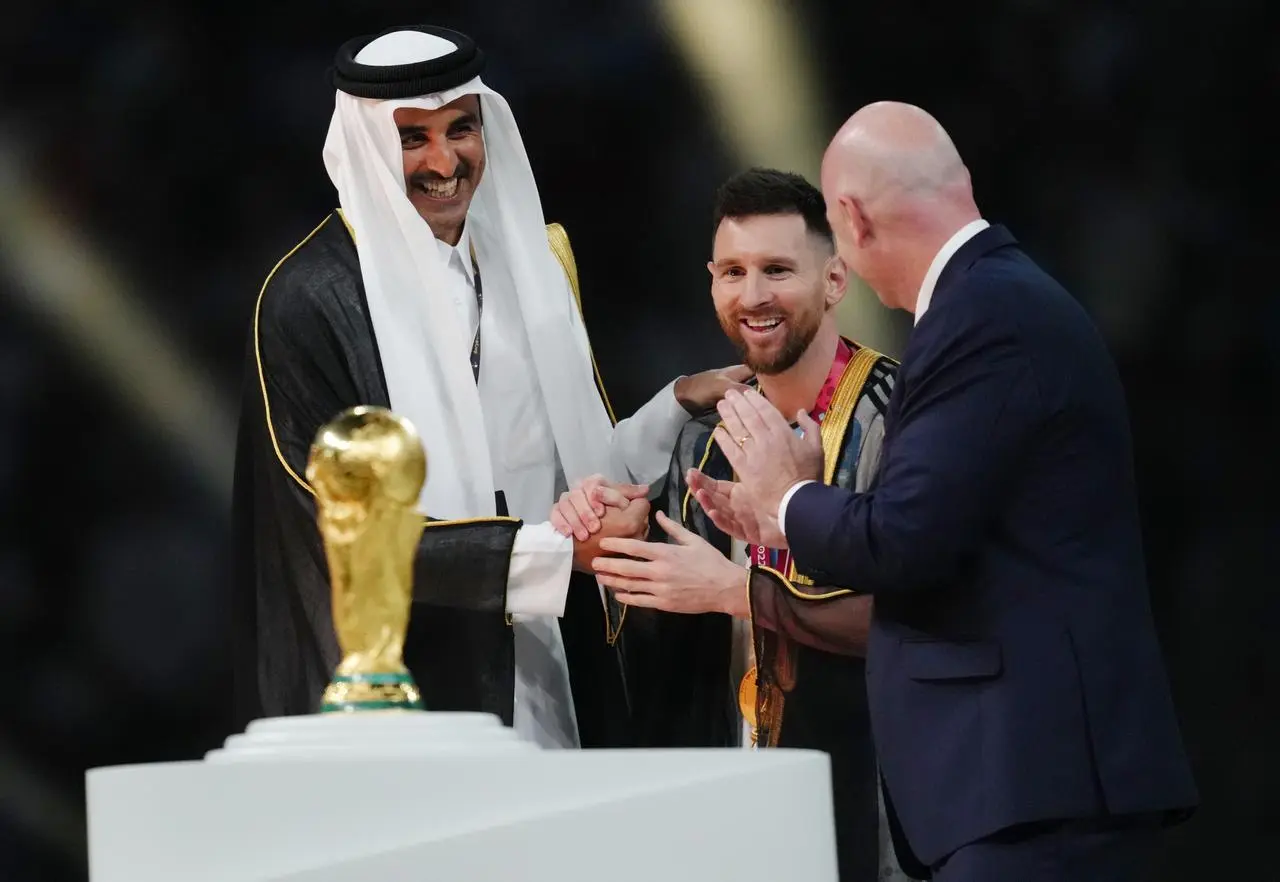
(969, 407)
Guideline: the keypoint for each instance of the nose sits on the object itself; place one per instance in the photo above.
(755, 293)
(440, 157)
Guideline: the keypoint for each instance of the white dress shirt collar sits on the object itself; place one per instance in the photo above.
(459, 256)
(948, 251)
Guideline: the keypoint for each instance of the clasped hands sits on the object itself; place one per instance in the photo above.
(595, 510)
(688, 574)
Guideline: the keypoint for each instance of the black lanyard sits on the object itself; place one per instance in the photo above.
(500, 498)
(475, 344)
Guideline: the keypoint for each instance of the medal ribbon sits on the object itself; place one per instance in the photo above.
(781, 559)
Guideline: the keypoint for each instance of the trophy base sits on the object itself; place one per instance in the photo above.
(358, 736)
(356, 693)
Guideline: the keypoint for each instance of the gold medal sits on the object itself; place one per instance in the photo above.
(747, 697)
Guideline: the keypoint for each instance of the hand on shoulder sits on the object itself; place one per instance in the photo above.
(703, 391)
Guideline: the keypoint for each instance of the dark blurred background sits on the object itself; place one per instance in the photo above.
(156, 160)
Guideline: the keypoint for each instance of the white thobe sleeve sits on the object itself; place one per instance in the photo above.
(640, 449)
(538, 576)
(640, 452)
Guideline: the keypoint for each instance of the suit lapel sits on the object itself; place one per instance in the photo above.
(992, 238)
(986, 241)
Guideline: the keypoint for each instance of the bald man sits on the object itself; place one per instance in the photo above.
(1018, 697)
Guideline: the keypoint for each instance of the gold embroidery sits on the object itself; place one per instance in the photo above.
(500, 519)
(688, 491)
(766, 707)
(840, 412)
(346, 223)
(835, 426)
(747, 689)
(266, 402)
(558, 240)
(257, 354)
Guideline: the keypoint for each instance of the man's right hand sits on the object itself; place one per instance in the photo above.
(596, 509)
(579, 509)
(630, 521)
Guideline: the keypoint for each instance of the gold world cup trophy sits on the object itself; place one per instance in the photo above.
(367, 466)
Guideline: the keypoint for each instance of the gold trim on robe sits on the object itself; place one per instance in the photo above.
(834, 427)
(266, 401)
(558, 240)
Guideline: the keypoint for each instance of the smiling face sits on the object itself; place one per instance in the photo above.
(772, 282)
(443, 152)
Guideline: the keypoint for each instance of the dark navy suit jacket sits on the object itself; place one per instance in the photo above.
(1013, 669)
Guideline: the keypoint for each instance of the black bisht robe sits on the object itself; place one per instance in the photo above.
(312, 353)
(811, 690)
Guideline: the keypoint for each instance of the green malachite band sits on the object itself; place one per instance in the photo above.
(348, 706)
(374, 679)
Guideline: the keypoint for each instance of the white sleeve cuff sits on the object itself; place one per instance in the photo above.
(641, 445)
(782, 506)
(538, 576)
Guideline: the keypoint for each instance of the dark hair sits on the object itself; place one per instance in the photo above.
(758, 191)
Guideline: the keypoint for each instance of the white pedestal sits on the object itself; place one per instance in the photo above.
(403, 734)
(457, 798)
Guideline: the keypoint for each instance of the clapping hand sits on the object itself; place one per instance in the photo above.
(768, 458)
(731, 509)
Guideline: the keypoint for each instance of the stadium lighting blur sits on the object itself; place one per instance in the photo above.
(750, 60)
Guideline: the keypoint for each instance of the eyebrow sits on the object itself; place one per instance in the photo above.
(414, 129)
(768, 260)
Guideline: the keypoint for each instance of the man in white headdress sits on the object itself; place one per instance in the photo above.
(437, 290)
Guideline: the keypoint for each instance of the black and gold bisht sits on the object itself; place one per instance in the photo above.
(311, 354)
(809, 686)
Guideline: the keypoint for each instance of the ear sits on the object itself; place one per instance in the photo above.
(835, 281)
(711, 268)
(856, 217)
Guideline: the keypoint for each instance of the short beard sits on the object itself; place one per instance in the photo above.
(799, 336)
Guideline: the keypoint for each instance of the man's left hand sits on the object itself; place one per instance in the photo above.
(687, 576)
(698, 392)
(767, 455)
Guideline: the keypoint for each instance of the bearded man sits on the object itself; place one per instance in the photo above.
(738, 648)
(1021, 707)
(437, 290)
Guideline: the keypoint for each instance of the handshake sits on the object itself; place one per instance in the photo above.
(595, 509)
